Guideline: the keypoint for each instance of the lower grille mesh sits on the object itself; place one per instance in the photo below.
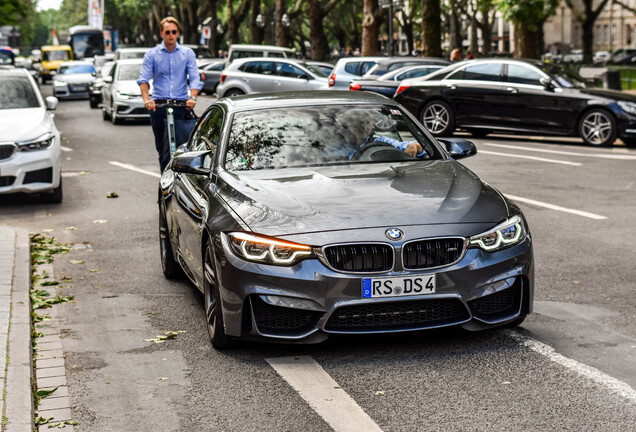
(282, 321)
(400, 315)
(500, 304)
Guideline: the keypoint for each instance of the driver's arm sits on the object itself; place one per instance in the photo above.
(412, 148)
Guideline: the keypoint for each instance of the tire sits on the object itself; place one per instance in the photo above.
(171, 268)
(105, 115)
(233, 92)
(212, 302)
(92, 102)
(53, 197)
(479, 133)
(438, 118)
(598, 128)
(113, 116)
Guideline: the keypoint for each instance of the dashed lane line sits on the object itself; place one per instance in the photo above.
(134, 168)
(566, 153)
(323, 394)
(589, 372)
(540, 159)
(555, 207)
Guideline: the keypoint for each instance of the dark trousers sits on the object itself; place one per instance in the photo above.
(159, 125)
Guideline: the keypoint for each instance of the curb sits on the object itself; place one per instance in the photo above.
(19, 409)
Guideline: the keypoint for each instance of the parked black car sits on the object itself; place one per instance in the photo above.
(95, 88)
(388, 83)
(515, 96)
(294, 226)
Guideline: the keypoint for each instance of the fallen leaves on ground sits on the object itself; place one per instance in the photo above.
(164, 337)
(112, 195)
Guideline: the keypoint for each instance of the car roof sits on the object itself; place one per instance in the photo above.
(423, 60)
(303, 98)
(261, 47)
(134, 49)
(56, 48)
(14, 72)
(130, 61)
(76, 62)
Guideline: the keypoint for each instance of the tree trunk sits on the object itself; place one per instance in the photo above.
(455, 29)
(319, 46)
(527, 42)
(281, 33)
(474, 43)
(431, 28)
(257, 32)
(370, 29)
(588, 39)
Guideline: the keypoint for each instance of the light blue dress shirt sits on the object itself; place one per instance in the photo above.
(170, 72)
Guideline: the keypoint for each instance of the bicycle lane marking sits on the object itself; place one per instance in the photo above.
(563, 152)
(323, 394)
(555, 207)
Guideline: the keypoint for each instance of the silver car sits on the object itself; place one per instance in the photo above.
(72, 80)
(121, 96)
(263, 74)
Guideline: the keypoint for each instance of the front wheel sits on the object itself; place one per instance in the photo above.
(113, 115)
(105, 115)
(53, 197)
(598, 128)
(438, 118)
(212, 301)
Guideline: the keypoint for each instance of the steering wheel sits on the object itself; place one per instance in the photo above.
(380, 151)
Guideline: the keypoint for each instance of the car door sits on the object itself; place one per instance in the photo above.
(189, 192)
(290, 77)
(534, 107)
(259, 76)
(476, 94)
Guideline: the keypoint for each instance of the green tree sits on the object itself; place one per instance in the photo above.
(528, 17)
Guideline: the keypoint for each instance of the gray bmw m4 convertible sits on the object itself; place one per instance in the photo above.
(300, 215)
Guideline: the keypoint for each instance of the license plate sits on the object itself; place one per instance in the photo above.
(398, 286)
(78, 88)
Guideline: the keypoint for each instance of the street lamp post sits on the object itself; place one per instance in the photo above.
(390, 5)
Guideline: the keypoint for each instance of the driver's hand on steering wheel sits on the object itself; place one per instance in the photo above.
(413, 149)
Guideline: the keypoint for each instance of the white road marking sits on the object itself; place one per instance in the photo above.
(531, 157)
(567, 153)
(323, 394)
(134, 168)
(555, 207)
(614, 385)
(66, 149)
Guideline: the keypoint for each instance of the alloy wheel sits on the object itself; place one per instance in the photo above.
(436, 118)
(597, 128)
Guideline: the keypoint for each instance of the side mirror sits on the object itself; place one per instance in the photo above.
(547, 83)
(191, 163)
(51, 103)
(458, 148)
(108, 79)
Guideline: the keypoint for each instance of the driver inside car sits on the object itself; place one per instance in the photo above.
(360, 124)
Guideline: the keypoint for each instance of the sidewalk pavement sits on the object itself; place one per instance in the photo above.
(16, 356)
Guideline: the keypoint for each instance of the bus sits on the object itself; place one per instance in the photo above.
(85, 41)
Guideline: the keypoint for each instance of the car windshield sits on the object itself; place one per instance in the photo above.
(322, 135)
(129, 72)
(6, 57)
(132, 55)
(17, 92)
(56, 55)
(77, 69)
(565, 78)
(314, 69)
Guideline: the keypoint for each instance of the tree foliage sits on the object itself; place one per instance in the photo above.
(528, 17)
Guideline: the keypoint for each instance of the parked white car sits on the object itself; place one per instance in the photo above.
(121, 95)
(265, 74)
(30, 156)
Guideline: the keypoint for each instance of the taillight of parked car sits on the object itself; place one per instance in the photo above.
(354, 86)
(332, 80)
(222, 80)
(400, 89)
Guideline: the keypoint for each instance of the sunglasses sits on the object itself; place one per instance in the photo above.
(174, 32)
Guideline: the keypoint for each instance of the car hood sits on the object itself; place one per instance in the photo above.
(75, 78)
(280, 202)
(610, 94)
(24, 124)
(128, 87)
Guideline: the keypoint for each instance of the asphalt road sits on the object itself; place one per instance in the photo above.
(571, 366)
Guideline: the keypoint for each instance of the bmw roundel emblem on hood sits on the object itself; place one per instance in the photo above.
(394, 234)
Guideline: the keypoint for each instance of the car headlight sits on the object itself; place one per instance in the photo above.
(268, 250)
(122, 95)
(57, 83)
(502, 236)
(629, 107)
(41, 143)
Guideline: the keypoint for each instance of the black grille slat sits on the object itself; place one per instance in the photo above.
(7, 181)
(360, 258)
(397, 315)
(279, 320)
(431, 253)
(6, 151)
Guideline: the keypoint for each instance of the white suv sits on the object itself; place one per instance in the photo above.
(266, 74)
(30, 155)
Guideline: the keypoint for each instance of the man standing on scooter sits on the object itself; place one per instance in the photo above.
(171, 66)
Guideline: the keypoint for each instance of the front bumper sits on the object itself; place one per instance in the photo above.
(307, 302)
(132, 108)
(71, 91)
(34, 171)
